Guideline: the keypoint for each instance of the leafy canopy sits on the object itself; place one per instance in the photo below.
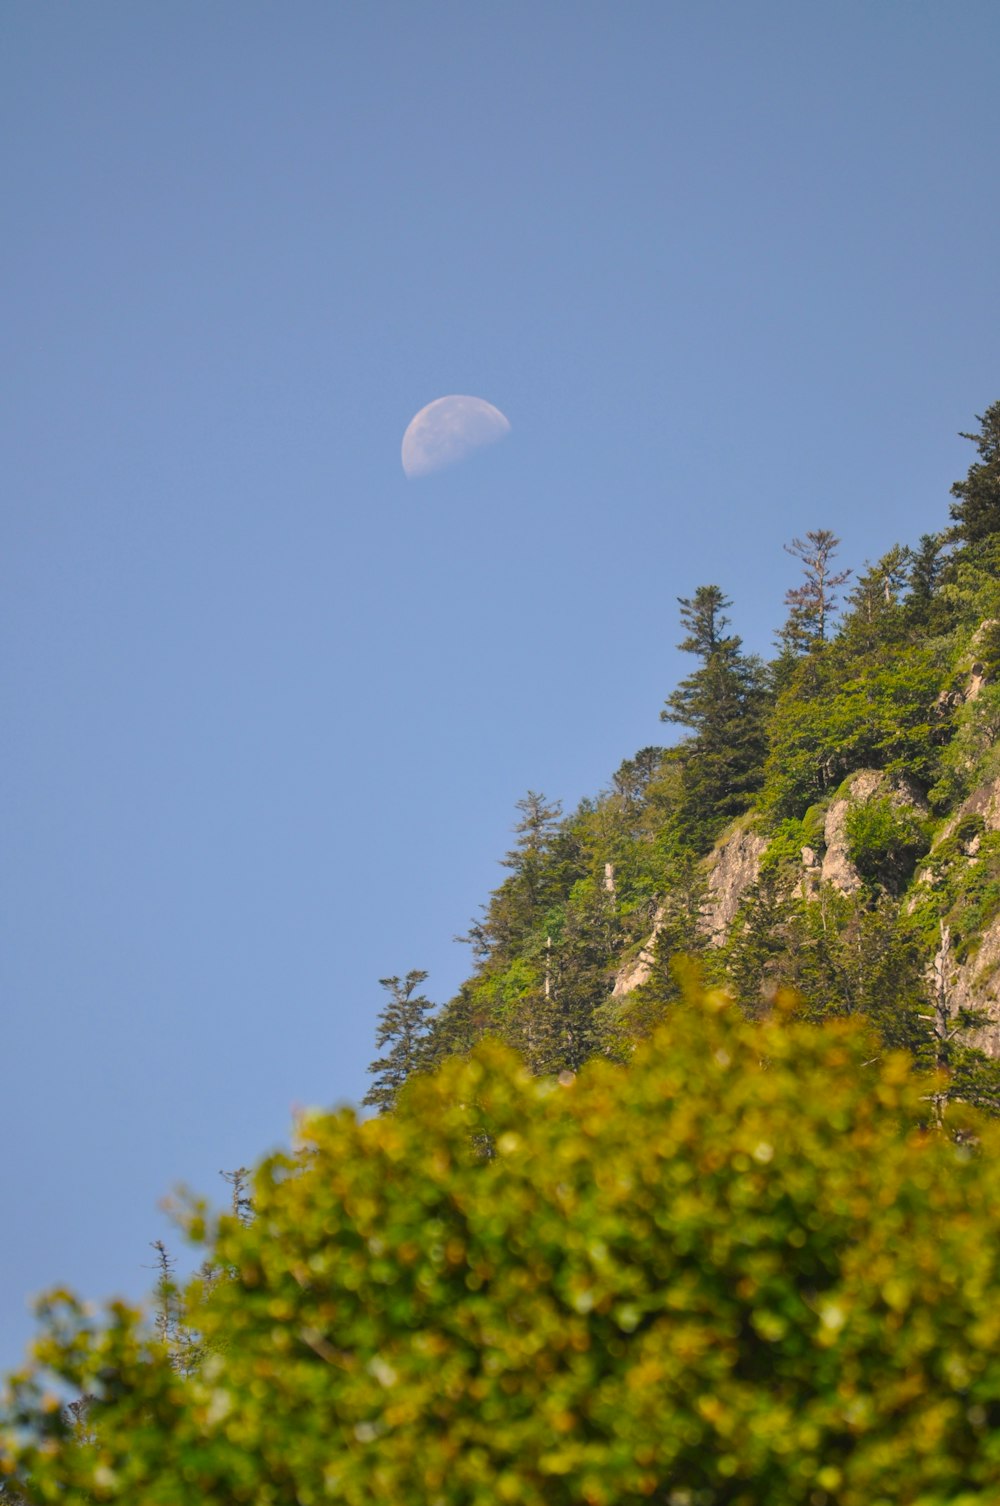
(738, 1273)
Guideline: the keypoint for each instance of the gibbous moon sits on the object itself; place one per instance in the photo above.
(448, 430)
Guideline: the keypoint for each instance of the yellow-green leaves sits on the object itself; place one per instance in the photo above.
(739, 1272)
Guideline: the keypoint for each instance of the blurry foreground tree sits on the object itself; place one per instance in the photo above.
(743, 1270)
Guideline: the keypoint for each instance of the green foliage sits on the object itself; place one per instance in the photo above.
(812, 604)
(840, 714)
(885, 841)
(974, 891)
(738, 1272)
(784, 850)
(403, 1029)
(977, 509)
(723, 705)
(973, 755)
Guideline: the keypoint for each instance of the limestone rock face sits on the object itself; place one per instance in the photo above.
(985, 802)
(635, 973)
(975, 984)
(735, 868)
(867, 784)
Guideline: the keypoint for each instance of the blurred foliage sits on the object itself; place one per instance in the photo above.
(740, 1271)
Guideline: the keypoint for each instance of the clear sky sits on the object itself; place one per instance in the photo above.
(729, 269)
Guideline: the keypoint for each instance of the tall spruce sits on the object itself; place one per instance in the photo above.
(723, 704)
(403, 1028)
(976, 512)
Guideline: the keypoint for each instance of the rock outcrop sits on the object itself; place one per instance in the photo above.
(868, 784)
(735, 867)
(732, 868)
(975, 984)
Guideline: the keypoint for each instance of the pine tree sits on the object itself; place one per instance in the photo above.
(924, 607)
(976, 513)
(723, 704)
(403, 1027)
(536, 879)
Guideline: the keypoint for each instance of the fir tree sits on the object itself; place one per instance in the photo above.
(723, 704)
(403, 1027)
(976, 512)
(812, 604)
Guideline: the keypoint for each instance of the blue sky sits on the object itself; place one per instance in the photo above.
(729, 270)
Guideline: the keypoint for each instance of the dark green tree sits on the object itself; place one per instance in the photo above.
(632, 778)
(875, 618)
(403, 1028)
(976, 510)
(927, 564)
(536, 879)
(723, 704)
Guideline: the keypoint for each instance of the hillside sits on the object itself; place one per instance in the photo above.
(828, 821)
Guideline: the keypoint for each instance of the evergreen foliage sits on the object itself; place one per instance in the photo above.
(622, 882)
(812, 605)
(403, 1028)
(976, 511)
(722, 703)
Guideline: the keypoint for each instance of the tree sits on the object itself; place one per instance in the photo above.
(876, 619)
(723, 704)
(742, 1270)
(537, 880)
(976, 512)
(812, 604)
(927, 564)
(633, 776)
(403, 1027)
(535, 831)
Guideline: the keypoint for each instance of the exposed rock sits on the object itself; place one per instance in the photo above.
(978, 673)
(984, 801)
(735, 867)
(837, 868)
(635, 973)
(975, 984)
(812, 873)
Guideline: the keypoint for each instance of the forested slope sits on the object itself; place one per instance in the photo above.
(828, 820)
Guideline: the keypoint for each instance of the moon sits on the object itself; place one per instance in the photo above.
(448, 430)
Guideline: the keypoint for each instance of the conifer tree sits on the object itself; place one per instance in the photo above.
(722, 703)
(403, 1027)
(927, 564)
(812, 604)
(976, 512)
(521, 900)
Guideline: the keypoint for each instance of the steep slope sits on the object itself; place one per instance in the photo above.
(824, 822)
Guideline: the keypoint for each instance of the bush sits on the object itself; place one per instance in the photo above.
(738, 1272)
(884, 841)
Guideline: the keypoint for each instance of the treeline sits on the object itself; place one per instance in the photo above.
(871, 672)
